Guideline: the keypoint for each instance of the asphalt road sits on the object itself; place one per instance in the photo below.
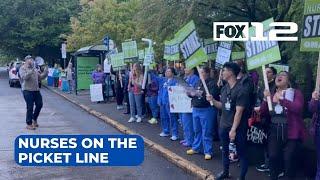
(61, 117)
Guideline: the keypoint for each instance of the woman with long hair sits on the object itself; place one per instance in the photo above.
(286, 128)
(135, 93)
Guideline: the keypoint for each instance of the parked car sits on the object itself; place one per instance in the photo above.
(13, 74)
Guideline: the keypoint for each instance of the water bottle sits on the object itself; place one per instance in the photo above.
(232, 152)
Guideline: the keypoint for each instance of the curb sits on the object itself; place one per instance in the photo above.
(179, 161)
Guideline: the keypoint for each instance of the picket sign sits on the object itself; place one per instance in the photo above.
(150, 42)
(96, 92)
(259, 57)
(223, 56)
(204, 85)
(266, 85)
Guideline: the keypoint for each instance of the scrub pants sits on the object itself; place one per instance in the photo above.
(152, 100)
(202, 126)
(187, 125)
(168, 120)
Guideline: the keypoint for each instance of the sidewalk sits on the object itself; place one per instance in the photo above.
(151, 132)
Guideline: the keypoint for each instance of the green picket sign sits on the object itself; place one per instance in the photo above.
(237, 55)
(190, 46)
(85, 67)
(280, 67)
(130, 50)
(211, 48)
(117, 60)
(310, 40)
(171, 50)
(260, 53)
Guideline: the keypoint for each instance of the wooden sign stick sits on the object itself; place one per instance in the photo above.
(266, 85)
(204, 85)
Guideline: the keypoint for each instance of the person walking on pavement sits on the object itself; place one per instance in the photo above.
(203, 115)
(29, 78)
(233, 125)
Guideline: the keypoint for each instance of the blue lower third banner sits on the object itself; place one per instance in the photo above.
(79, 150)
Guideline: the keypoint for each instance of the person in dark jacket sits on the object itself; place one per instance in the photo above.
(271, 73)
(314, 108)
(125, 90)
(286, 128)
(119, 89)
(152, 96)
(202, 116)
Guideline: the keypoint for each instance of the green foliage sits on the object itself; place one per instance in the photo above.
(101, 17)
(27, 25)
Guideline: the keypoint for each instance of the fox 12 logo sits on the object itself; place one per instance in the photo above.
(239, 31)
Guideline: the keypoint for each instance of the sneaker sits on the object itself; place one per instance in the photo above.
(30, 127)
(263, 168)
(162, 134)
(222, 175)
(153, 121)
(132, 119)
(35, 124)
(174, 138)
(119, 107)
(136, 116)
(281, 175)
(191, 152)
(139, 119)
(207, 157)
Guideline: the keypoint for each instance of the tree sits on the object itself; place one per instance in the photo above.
(34, 26)
(101, 17)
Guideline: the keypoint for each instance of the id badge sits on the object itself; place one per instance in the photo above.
(278, 109)
(227, 105)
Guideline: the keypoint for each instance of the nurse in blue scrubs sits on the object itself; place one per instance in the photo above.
(169, 121)
(187, 122)
(204, 116)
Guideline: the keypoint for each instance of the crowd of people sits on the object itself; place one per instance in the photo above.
(222, 113)
(222, 110)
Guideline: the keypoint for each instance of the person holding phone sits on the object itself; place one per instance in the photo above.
(30, 77)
